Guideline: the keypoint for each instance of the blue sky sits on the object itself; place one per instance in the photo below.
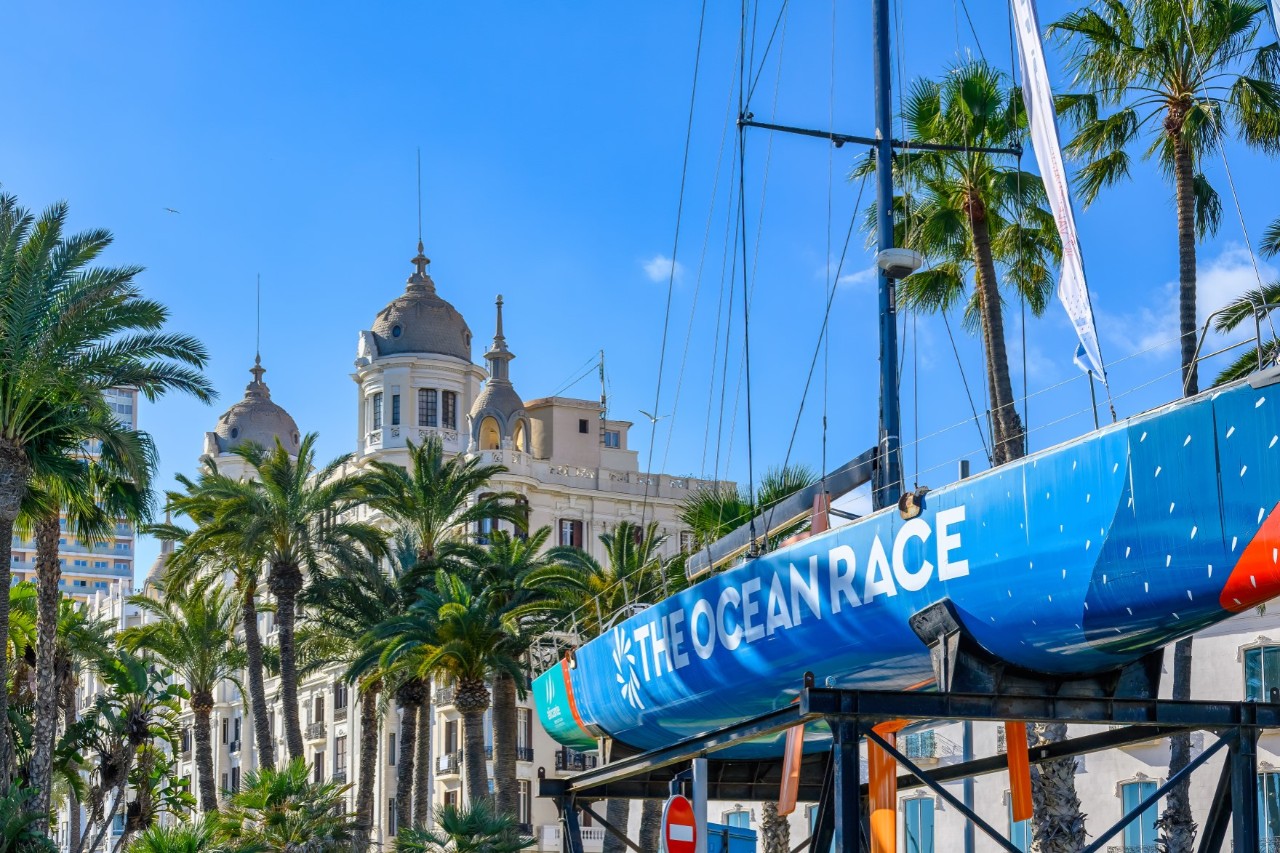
(551, 136)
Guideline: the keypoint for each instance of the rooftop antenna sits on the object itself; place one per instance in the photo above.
(257, 332)
(419, 195)
(604, 400)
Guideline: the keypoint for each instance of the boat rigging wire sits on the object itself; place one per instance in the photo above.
(742, 217)
(697, 287)
(968, 393)
(675, 247)
(823, 331)
(765, 54)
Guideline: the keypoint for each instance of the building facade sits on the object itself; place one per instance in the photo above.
(574, 469)
(569, 464)
(88, 567)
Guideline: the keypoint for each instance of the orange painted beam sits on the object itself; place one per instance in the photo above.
(1015, 740)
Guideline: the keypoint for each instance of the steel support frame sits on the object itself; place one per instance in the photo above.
(850, 715)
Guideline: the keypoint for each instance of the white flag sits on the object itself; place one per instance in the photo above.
(1038, 96)
(1079, 360)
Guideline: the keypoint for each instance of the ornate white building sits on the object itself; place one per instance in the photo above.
(569, 463)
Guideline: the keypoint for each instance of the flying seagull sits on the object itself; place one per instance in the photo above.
(171, 210)
(653, 419)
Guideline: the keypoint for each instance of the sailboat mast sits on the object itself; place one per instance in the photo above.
(889, 487)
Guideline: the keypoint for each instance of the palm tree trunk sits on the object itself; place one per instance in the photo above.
(471, 701)
(1184, 180)
(262, 734)
(505, 723)
(202, 707)
(48, 573)
(775, 831)
(651, 825)
(368, 764)
(408, 705)
(1007, 426)
(1177, 829)
(286, 583)
(15, 474)
(422, 761)
(73, 802)
(1056, 823)
(618, 812)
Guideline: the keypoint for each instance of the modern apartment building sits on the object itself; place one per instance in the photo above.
(89, 568)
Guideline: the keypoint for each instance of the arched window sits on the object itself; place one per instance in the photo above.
(520, 438)
(490, 435)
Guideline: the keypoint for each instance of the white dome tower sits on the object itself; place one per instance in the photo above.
(414, 372)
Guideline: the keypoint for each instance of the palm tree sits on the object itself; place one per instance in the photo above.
(69, 332)
(140, 705)
(194, 836)
(974, 215)
(713, 512)
(293, 519)
(505, 568)
(347, 602)
(479, 828)
(95, 494)
(594, 595)
(1184, 76)
(439, 502)
(199, 500)
(281, 809)
(193, 633)
(1243, 309)
(82, 644)
(19, 832)
(455, 631)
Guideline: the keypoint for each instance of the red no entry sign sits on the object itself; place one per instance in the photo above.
(679, 834)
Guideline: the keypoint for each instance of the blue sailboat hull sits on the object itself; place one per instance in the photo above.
(1073, 561)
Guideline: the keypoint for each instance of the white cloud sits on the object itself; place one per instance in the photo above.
(859, 278)
(1152, 327)
(659, 268)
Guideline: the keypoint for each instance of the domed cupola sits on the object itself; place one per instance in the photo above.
(498, 419)
(420, 321)
(255, 419)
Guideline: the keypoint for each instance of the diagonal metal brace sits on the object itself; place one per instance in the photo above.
(948, 797)
(610, 828)
(1164, 789)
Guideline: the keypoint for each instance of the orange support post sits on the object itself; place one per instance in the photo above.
(1015, 740)
(791, 759)
(882, 789)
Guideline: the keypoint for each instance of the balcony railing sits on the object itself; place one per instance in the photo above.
(524, 753)
(572, 760)
(445, 695)
(185, 755)
(920, 745)
(340, 776)
(233, 747)
(314, 731)
(1135, 848)
(339, 714)
(450, 763)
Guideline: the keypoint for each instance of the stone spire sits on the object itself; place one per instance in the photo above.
(498, 355)
(420, 281)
